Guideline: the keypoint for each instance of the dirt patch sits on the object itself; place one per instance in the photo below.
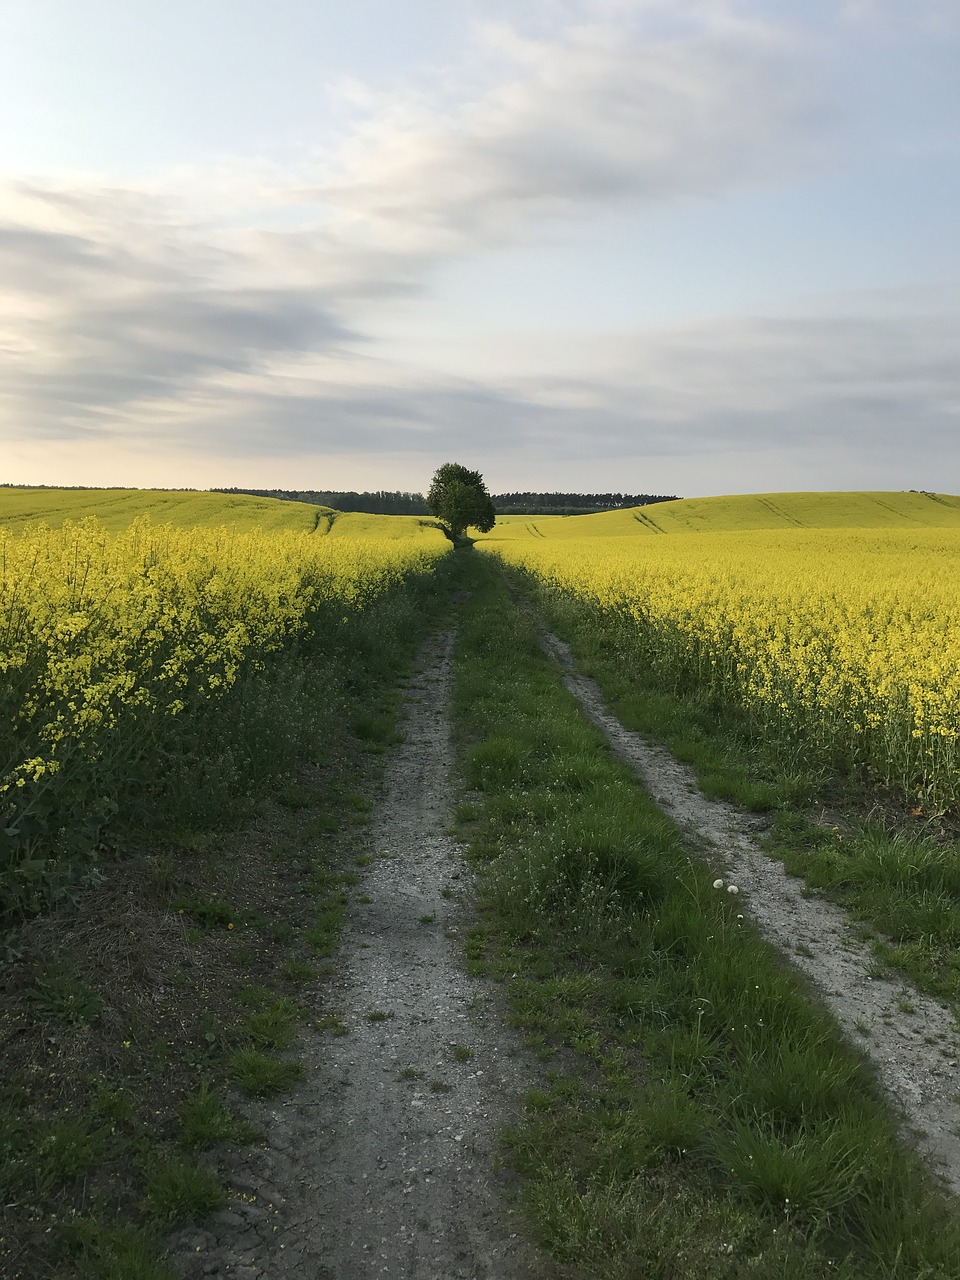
(910, 1039)
(384, 1163)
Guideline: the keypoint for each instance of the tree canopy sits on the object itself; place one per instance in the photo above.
(459, 498)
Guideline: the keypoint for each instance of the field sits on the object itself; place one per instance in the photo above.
(200, 694)
(832, 620)
(116, 634)
(744, 512)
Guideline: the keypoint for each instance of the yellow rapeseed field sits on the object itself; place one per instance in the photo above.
(846, 636)
(99, 628)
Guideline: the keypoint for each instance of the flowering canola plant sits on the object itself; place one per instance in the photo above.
(848, 638)
(101, 628)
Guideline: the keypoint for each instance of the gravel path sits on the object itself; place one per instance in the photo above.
(915, 1053)
(384, 1164)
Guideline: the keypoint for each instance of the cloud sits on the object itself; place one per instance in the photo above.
(605, 114)
(175, 304)
(873, 381)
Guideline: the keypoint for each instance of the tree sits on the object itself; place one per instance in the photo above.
(459, 498)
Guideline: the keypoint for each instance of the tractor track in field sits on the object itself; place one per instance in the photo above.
(384, 1162)
(910, 1039)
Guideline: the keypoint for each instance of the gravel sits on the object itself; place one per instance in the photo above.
(914, 1053)
(384, 1163)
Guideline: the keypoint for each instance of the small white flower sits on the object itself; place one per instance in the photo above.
(732, 888)
(718, 884)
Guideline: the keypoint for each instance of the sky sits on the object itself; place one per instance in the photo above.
(650, 246)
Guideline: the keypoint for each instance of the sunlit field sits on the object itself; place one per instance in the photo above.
(112, 630)
(830, 617)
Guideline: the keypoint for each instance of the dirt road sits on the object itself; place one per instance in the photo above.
(910, 1038)
(384, 1163)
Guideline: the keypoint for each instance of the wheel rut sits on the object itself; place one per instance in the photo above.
(384, 1163)
(914, 1053)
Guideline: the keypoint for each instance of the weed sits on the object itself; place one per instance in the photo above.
(178, 1192)
(274, 1026)
(260, 1076)
(65, 999)
(205, 1120)
(209, 913)
(293, 796)
(108, 1252)
(65, 1149)
(319, 825)
(333, 1024)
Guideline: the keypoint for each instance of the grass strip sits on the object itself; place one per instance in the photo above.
(135, 1022)
(702, 1116)
(896, 871)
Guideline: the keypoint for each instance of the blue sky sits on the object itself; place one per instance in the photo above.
(696, 246)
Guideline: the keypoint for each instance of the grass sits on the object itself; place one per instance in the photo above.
(702, 1117)
(64, 998)
(897, 871)
(260, 1075)
(179, 1192)
(205, 1120)
(127, 1019)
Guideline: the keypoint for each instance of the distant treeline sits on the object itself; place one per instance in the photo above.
(386, 502)
(379, 502)
(570, 504)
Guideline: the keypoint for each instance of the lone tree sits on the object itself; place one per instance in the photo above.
(459, 498)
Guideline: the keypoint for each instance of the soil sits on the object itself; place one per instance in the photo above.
(910, 1039)
(384, 1163)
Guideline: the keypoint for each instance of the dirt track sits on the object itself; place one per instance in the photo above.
(915, 1053)
(384, 1163)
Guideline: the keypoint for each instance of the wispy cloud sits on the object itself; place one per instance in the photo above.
(225, 312)
(121, 305)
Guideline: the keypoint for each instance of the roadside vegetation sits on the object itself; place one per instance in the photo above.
(702, 1116)
(139, 1012)
(196, 717)
(804, 672)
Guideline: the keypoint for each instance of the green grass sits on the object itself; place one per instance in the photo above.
(708, 1120)
(867, 510)
(132, 1014)
(205, 1120)
(258, 1075)
(179, 1192)
(897, 873)
(64, 998)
